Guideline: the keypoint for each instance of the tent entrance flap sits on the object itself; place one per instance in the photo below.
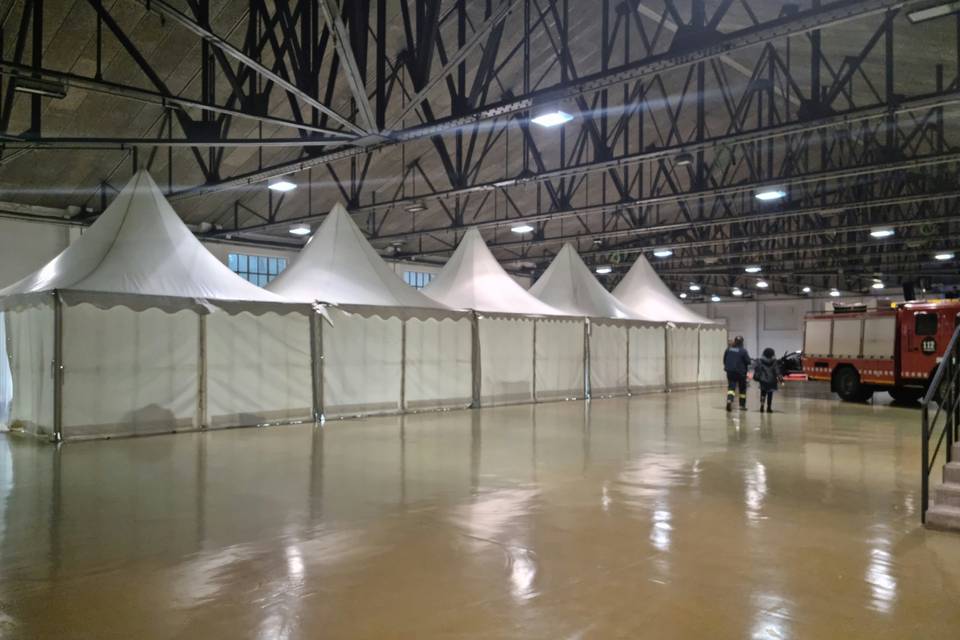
(608, 359)
(437, 363)
(558, 356)
(646, 350)
(259, 369)
(506, 360)
(362, 362)
(128, 372)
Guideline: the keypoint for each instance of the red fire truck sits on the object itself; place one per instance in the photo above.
(895, 350)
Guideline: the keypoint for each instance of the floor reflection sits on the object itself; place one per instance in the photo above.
(615, 518)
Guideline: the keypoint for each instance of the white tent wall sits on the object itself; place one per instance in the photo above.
(362, 364)
(29, 352)
(559, 358)
(683, 356)
(713, 342)
(506, 359)
(647, 353)
(258, 369)
(128, 372)
(437, 363)
(608, 358)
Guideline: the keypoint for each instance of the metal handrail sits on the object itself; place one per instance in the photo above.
(945, 390)
(951, 348)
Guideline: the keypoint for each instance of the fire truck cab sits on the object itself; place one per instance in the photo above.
(897, 350)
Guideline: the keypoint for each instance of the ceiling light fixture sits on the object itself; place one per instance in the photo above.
(931, 11)
(552, 118)
(683, 159)
(522, 228)
(694, 287)
(945, 255)
(877, 285)
(834, 293)
(768, 194)
(881, 232)
(714, 298)
(300, 229)
(415, 207)
(40, 87)
(603, 269)
(683, 296)
(806, 290)
(737, 291)
(663, 253)
(762, 284)
(282, 185)
(753, 269)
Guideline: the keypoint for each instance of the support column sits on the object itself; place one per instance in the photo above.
(201, 421)
(403, 365)
(534, 358)
(316, 372)
(666, 358)
(57, 368)
(475, 359)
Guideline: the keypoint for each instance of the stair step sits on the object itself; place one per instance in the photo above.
(943, 517)
(947, 494)
(951, 472)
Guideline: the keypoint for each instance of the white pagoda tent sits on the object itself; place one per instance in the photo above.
(568, 285)
(148, 332)
(526, 349)
(642, 291)
(388, 347)
(338, 266)
(625, 354)
(695, 344)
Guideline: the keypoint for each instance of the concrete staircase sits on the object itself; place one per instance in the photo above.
(944, 512)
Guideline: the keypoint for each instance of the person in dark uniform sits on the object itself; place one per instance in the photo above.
(736, 361)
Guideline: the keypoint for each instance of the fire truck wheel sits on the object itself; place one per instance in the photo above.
(905, 395)
(846, 382)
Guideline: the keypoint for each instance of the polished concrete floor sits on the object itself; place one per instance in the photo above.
(660, 516)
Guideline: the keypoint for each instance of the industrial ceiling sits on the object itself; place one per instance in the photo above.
(418, 116)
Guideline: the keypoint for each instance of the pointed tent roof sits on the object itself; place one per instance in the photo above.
(645, 293)
(339, 266)
(140, 246)
(473, 279)
(568, 285)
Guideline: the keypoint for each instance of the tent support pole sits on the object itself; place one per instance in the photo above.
(666, 359)
(586, 359)
(57, 368)
(475, 360)
(202, 371)
(403, 365)
(699, 351)
(315, 365)
(628, 360)
(319, 367)
(535, 321)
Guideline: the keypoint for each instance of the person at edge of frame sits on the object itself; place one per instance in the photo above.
(736, 361)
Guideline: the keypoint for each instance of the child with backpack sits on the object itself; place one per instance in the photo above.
(766, 372)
